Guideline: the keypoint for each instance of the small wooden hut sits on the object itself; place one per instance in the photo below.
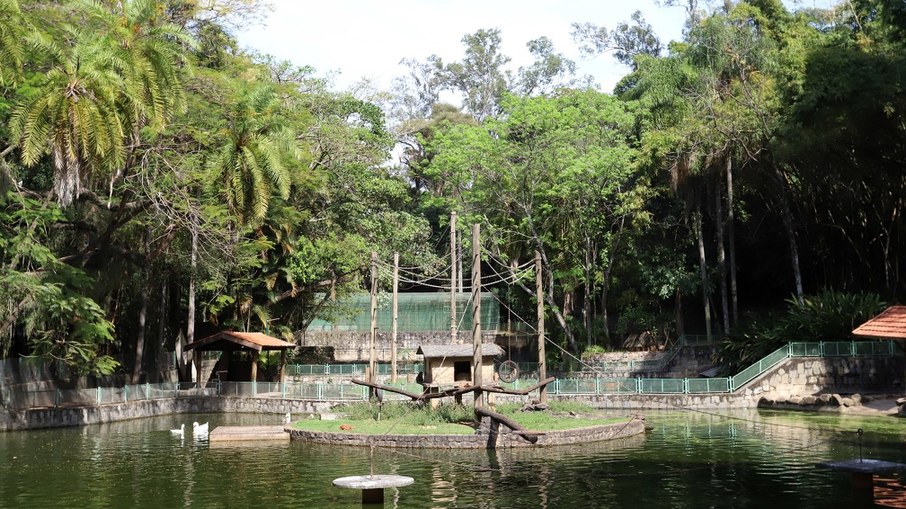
(449, 366)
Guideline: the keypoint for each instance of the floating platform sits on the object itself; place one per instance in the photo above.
(861, 473)
(248, 434)
(373, 486)
(864, 466)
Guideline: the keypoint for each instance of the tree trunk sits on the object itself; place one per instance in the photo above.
(703, 269)
(787, 217)
(721, 257)
(605, 317)
(140, 340)
(190, 319)
(161, 330)
(611, 260)
(552, 304)
(586, 301)
(731, 234)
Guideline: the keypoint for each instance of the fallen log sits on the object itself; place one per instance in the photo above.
(515, 427)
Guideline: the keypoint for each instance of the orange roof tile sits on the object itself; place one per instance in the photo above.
(890, 324)
(231, 340)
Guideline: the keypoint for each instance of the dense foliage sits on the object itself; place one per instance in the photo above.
(157, 183)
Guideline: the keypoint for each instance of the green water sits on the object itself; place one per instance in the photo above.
(689, 460)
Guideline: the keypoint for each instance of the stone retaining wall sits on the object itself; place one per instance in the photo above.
(476, 441)
(81, 416)
(845, 375)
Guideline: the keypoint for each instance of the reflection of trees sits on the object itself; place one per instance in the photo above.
(743, 459)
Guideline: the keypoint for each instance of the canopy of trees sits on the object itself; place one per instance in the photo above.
(157, 182)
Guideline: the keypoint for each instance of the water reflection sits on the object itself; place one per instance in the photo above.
(689, 460)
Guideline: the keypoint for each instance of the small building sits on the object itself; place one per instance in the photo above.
(451, 365)
(252, 342)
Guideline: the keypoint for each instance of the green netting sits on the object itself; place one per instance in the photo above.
(418, 312)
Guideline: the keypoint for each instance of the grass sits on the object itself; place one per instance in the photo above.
(449, 419)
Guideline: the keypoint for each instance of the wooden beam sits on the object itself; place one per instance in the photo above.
(517, 429)
(374, 385)
(520, 392)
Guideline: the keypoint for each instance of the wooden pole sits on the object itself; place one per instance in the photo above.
(476, 313)
(395, 323)
(453, 324)
(542, 359)
(373, 339)
(282, 365)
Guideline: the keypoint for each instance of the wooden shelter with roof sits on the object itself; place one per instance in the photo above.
(889, 324)
(254, 342)
(452, 365)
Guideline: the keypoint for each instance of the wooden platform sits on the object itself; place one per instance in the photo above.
(248, 434)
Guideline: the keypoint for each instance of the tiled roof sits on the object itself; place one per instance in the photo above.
(890, 324)
(434, 351)
(231, 340)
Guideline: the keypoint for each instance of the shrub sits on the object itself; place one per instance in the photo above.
(826, 316)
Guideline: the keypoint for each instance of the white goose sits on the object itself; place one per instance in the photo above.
(180, 432)
(200, 430)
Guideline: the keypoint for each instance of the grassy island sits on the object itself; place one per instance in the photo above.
(404, 418)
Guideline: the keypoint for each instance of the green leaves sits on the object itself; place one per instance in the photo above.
(48, 297)
(98, 90)
(255, 158)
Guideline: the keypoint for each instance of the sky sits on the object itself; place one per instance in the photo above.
(369, 38)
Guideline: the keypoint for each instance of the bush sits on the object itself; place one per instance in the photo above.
(826, 316)
(413, 413)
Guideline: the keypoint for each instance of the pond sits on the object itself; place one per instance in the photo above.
(689, 460)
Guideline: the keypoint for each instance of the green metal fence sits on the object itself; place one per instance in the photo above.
(662, 385)
(707, 385)
(842, 349)
(759, 367)
(346, 391)
(418, 312)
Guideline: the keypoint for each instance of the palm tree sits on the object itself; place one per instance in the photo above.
(252, 165)
(11, 37)
(98, 92)
(74, 116)
(143, 47)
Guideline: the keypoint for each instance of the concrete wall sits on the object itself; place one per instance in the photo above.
(348, 346)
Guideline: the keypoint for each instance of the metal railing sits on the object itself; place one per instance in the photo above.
(648, 365)
(660, 363)
(346, 391)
